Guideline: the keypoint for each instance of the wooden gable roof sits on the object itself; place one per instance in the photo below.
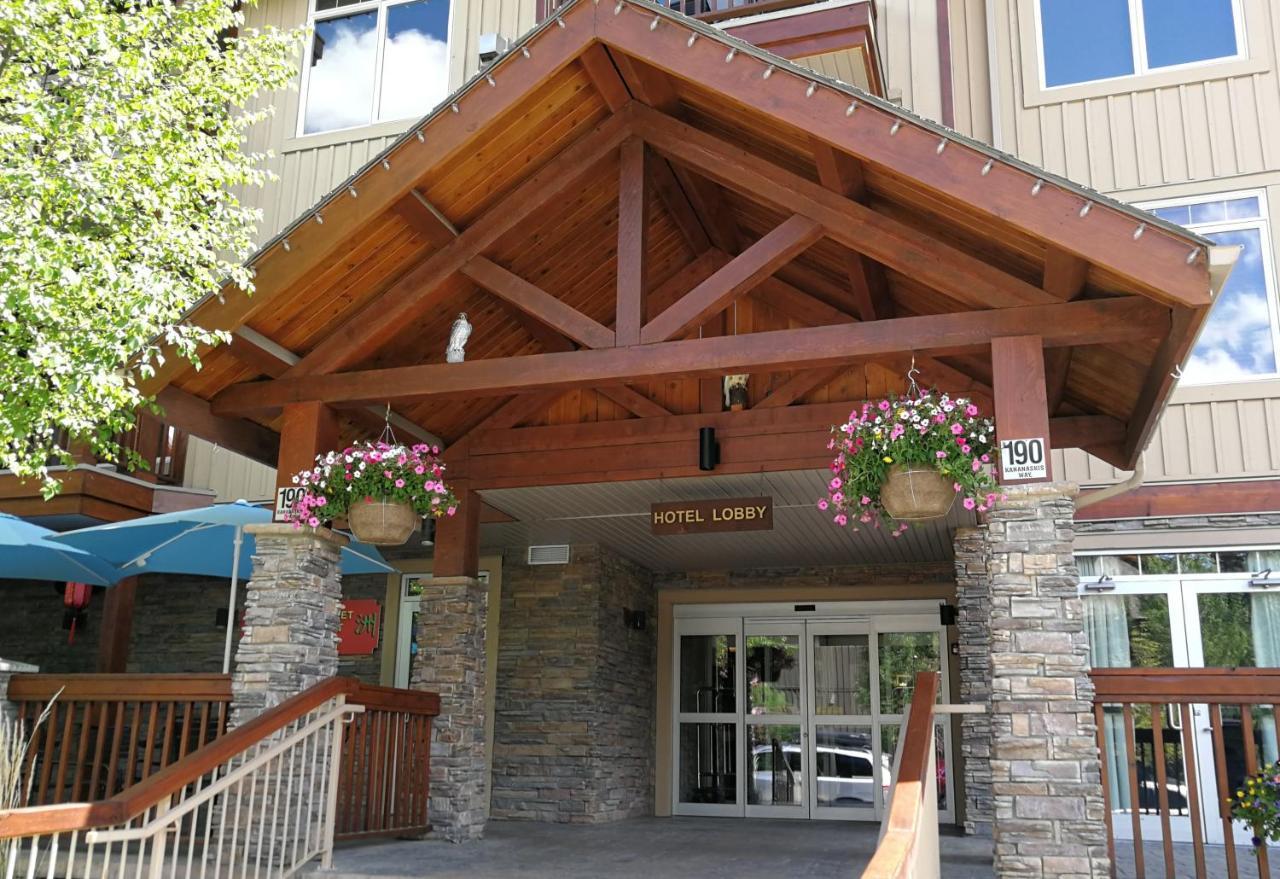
(851, 218)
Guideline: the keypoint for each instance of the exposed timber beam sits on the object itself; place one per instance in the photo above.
(1099, 321)
(256, 350)
(600, 69)
(316, 245)
(634, 401)
(780, 438)
(951, 271)
(420, 288)
(192, 414)
(737, 278)
(663, 296)
(842, 174)
(633, 243)
(437, 229)
(799, 384)
(1064, 277)
(537, 303)
(653, 88)
(1159, 264)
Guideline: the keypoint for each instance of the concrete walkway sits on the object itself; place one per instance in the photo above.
(650, 848)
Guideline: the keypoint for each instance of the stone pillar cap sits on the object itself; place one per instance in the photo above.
(289, 531)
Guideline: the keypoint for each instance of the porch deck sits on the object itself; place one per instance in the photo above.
(642, 848)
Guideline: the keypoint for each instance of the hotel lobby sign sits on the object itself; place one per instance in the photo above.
(703, 517)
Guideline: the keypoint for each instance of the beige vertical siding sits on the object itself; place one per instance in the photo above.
(310, 167)
(907, 34)
(970, 71)
(1208, 121)
(232, 476)
(1214, 432)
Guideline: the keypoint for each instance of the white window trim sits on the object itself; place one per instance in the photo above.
(1180, 550)
(1138, 49)
(1262, 221)
(380, 27)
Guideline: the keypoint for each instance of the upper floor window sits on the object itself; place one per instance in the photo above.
(1241, 338)
(374, 61)
(1088, 40)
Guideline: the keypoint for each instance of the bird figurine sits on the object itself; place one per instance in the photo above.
(458, 335)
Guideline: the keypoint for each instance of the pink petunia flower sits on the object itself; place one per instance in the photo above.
(957, 429)
(399, 483)
(970, 503)
(939, 454)
(841, 519)
(822, 504)
(865, 500)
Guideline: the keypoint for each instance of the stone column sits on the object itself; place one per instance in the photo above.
(290, 639)
(451, 662)
(9, 668)
(290, 644)
(1045, 768)
(973, 601)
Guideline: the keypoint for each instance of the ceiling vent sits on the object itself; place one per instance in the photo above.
(549, 555)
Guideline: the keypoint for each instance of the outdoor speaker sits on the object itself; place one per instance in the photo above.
(947, 614)
(708, 449)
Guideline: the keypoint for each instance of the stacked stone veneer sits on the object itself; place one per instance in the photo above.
(1045, 769)
(9, 668)
(451, 662)
(576, 703)
(973, 602)
(290, 640)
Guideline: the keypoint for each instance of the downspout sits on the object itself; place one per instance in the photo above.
(1105, 494)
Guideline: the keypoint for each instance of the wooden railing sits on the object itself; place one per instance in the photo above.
(908, 847)
(261, 799)
(386, 764)
(106, 733)
(1176, 744)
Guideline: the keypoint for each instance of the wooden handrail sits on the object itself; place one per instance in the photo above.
(173, 778)
(393, 699)
(892, 859)
(1230, 686)
(117, 688)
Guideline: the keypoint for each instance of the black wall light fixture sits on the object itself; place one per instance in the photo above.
(708, 449)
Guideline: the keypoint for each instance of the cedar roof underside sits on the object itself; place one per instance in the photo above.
(569, 250)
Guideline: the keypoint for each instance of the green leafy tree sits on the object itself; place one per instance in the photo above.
(122, 129)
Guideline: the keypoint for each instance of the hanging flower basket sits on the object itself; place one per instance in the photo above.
(382, 522)
(913, 494)
(906, 458)
(381, 488)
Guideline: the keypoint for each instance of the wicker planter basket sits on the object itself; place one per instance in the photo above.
(382, 522)
(912, 493)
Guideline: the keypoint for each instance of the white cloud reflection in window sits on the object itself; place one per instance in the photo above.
(340, 90)
(1238, 339)
(415, 64)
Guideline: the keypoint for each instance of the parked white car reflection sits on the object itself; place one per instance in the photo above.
(845, 776)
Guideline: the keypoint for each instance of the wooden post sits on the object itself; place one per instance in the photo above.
(117, 627)
(308, 430)
(1022, 408)
(458, 536)
(633, 233)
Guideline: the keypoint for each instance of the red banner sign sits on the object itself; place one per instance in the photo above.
(361, 622)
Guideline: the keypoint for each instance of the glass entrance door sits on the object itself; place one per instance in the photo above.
(850, 771)
(803, 720)
(776, 734)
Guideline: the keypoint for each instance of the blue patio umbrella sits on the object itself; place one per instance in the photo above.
(209, 541)
(27, 553)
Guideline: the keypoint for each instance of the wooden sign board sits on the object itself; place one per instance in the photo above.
(705, 517)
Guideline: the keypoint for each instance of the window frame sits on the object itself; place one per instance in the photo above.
(1138, 48)
(381, 7)
(1261, 222)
